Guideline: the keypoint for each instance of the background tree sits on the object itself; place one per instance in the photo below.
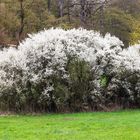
(119, 24)
(18, 17)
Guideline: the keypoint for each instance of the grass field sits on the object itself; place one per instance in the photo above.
(123, 125)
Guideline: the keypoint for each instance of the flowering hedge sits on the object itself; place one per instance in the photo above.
(73, 70)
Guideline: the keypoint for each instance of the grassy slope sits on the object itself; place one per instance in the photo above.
(123, 125)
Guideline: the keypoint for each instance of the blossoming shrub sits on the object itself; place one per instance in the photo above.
(73, 70)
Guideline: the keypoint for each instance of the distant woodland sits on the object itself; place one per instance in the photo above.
(18, 18)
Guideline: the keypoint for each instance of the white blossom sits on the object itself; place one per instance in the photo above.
(46, 53)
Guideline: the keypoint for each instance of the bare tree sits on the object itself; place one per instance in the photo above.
(21, 16)
(61, 7)
(83, 11)
(49, 5)
(68, 10)
(89, 8)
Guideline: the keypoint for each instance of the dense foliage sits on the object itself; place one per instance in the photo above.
(73, 70)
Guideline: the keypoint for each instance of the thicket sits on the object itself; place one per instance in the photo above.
(60, 70)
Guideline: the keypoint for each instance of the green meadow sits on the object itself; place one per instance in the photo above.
(122, 125)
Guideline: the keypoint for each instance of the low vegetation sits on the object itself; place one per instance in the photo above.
(122, 125)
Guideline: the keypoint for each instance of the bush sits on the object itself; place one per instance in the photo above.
(73, 70)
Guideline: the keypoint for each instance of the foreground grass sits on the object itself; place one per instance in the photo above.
(124, 125)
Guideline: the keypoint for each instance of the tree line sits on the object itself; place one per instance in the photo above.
(118, 17)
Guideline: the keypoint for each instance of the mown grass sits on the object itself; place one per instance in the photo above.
(123, 125)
